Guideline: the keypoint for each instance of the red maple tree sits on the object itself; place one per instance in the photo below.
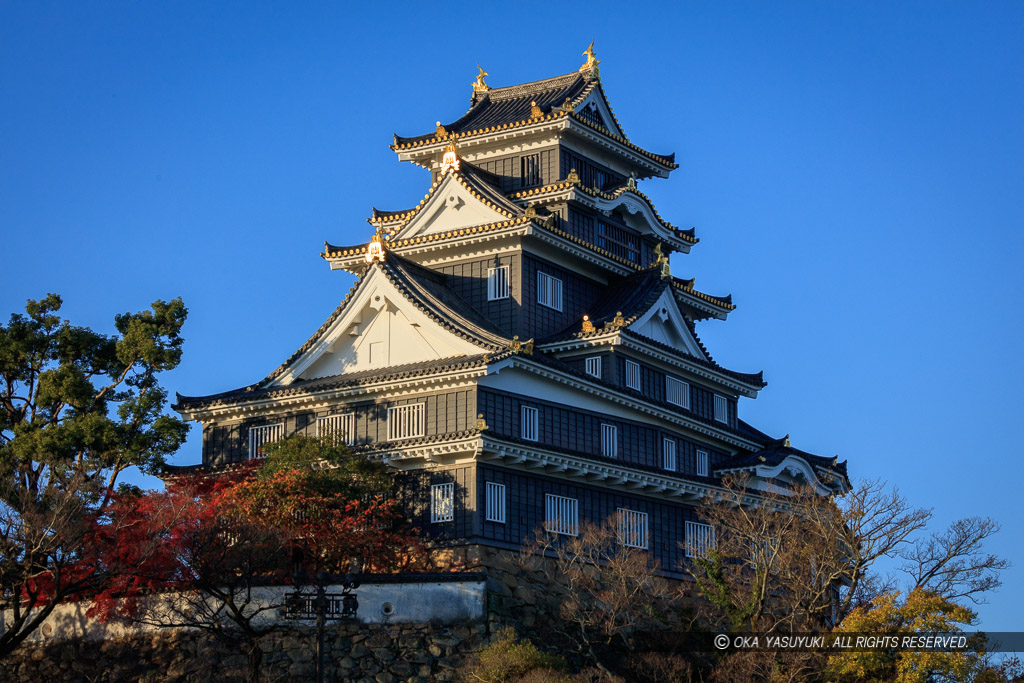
(206, 552)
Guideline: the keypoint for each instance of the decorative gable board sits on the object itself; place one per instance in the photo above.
(378, 328)
(663, 322)
(450, 207)
(596, 106)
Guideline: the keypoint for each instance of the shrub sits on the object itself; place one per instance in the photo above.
(508, 659)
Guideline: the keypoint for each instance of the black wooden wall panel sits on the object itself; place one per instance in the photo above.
(579, 431)
(578, 296)
(524, 515)
(468, 279)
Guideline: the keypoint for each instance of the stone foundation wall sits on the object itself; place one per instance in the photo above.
(360, 653)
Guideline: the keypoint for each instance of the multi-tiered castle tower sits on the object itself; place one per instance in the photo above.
(517, 345)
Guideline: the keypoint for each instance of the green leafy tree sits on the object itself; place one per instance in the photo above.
(77, 408)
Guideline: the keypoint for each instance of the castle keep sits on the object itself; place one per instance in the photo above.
(517, 346)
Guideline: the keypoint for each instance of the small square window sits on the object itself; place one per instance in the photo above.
(549, 291)
(632, 375)
(669, 454)
(700, 538)
(497, 283)
(495, 502)
(721, 408)
(702, 463)
(632, 528)
(609, 441)
(337, 429)
(594, 366)
(529, 423)
(677, 392)
(442, 503)
(561, 515)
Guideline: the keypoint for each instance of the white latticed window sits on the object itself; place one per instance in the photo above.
(700, 538)
(632, 528)
(668, 460)
(702, 463)
(405, 422)
(721, 408)
(338, 429)
(262, 435)
(633, 375)
(561, 515)
(495, 502)
(594, 366)
(677, 392)
(609, 440)
(529, 431)
(442, 503)
(497, 283)
(549, 291)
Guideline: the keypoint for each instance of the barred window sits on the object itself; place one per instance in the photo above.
(338, 429)
(668, 460)
(677, 392)
(405, 422)
(594, 366)
(561, 515)
(262, 435)
(495, 503)
(702, 463)
(632, 528)
(549, 291)
(609, 440)
(721, 408)
(497, 283)
(442, 503)
(700, 538)
(620, 242)
(529, 423)
(632, 375)
(529, 169)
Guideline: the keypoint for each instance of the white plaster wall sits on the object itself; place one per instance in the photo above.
(438, 602)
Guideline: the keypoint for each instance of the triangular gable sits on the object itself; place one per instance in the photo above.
(663, 322)
(450, 206)
(596, 106)
(378, 328)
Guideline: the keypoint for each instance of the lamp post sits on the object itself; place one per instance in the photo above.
(310, 600)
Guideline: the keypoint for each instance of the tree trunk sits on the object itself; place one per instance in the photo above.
(255, 662)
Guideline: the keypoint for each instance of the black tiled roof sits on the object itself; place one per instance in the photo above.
(561, 366)
(425, 288)
(633, 295)
(603, 459)
(776, 451)
(308, 386)
(501, 106)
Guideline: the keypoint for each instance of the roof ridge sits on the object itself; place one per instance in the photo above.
(520, 89)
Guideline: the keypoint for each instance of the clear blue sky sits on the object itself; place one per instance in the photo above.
(854, 172)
